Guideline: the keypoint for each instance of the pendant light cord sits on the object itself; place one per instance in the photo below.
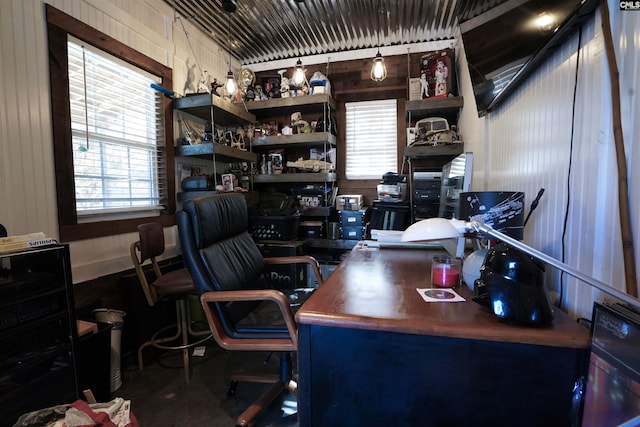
(378, 18)
(229, 39)
(299, 31)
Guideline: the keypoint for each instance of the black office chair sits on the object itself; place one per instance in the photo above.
(228, 271)
(176, 285)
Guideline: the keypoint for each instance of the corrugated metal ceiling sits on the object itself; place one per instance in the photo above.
(267, 30)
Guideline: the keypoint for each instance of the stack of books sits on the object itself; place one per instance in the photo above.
(25, 241)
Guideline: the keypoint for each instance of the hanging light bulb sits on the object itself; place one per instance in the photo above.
(378, 69)
(298, 73)
(299, 76)
(230, 86)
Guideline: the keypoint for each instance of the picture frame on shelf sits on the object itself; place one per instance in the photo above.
(271, 86)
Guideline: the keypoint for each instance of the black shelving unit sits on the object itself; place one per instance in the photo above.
(38, 332)
(425, 194)
(219, 112)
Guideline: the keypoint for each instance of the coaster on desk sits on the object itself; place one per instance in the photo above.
(439, 295)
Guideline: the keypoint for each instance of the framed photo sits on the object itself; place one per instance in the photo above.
(277, 160)
(271, 86)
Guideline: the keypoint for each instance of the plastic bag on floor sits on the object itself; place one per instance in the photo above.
(116, 413)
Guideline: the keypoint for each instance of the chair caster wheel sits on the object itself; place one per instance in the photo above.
(231, 388)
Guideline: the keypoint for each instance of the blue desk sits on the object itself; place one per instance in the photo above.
(373, 353)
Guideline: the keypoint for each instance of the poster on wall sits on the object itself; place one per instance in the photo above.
(438, 74)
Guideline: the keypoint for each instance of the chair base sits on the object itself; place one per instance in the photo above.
(279, 384)
(183, 331)
(261, 403)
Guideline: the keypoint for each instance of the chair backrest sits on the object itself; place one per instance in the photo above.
(219, 251)
(148, 247)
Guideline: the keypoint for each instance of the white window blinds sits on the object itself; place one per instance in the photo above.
(371, 139)
(118, 135)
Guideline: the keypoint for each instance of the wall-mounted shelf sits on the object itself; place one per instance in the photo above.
(316, 177)
(224, 112)
(296, 145)
(300, 139)
(422, 151)
(303, 104)
(223, 153)
(421, 108)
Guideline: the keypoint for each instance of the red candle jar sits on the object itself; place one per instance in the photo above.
(445, 272)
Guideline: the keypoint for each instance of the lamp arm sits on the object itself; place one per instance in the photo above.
(479, 226)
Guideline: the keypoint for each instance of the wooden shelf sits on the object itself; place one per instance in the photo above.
(295, 177)
(421, 108)
(317, 211)
(223, 153)
(303, 104)
(421, 151)
(224, 112)
(300, 139)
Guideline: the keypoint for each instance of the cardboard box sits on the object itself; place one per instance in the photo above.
(349, 202)
(414, 88)
(437, 74)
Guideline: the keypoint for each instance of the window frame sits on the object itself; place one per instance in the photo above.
(59, 25)
(367, 186)
(347, 145)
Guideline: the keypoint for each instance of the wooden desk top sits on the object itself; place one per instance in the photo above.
(375, 289)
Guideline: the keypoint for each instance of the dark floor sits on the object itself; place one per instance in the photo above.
(161, 398)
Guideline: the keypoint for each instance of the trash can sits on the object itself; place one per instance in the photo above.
(116, 319)
(94, 362)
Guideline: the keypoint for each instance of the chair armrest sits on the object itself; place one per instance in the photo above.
(298, 259)
(258, 344)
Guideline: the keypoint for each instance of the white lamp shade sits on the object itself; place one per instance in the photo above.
(430, 229)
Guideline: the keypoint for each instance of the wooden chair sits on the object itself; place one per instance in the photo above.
(176, 285)
(228, 272)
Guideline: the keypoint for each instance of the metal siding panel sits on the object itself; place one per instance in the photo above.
(263, 30)
(528, 142)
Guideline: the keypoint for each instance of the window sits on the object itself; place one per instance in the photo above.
(117, 135)
(371, 138)
(111, 132)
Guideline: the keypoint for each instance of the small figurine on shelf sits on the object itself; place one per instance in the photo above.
(238, 139)
(284, 84)
(246, 79)
(441, 74)
(249, 94)
(424, 86)
(215, 85)
(263, 165)
(204, 83)
(259, 93)
(319, 83)
(284, 88)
